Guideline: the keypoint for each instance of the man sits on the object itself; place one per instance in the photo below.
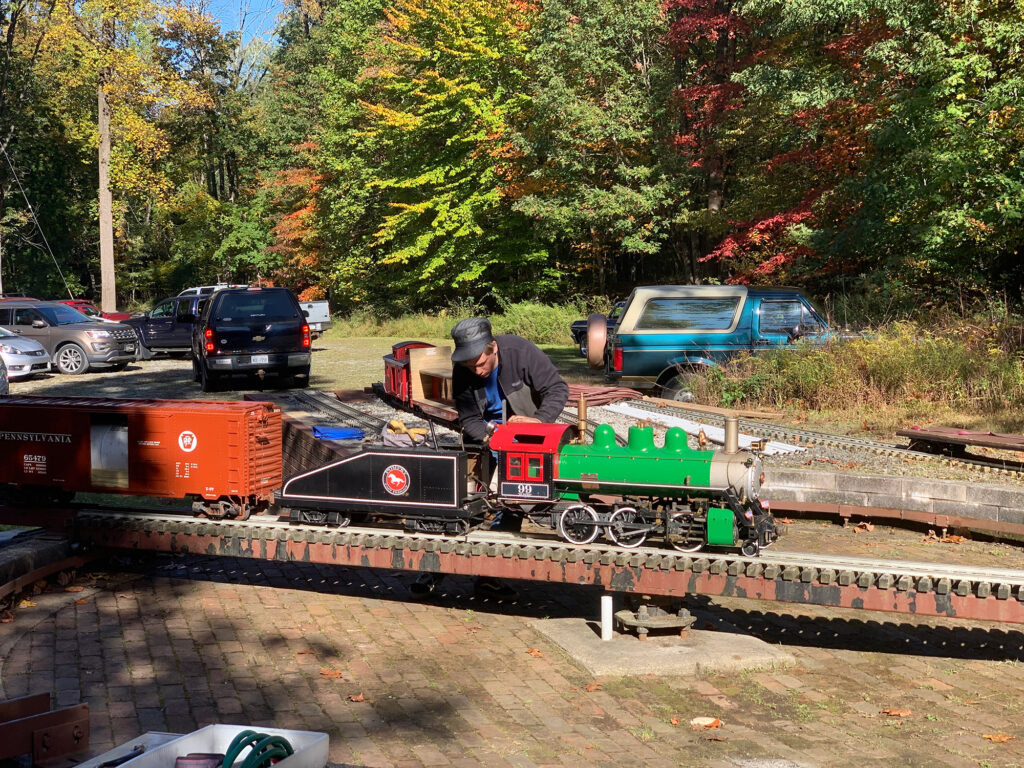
(497, 378)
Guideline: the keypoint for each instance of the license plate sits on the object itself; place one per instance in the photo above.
(525, 490)
(129, 347)
(259, 359)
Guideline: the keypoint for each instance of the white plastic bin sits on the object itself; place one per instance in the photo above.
(310, 746)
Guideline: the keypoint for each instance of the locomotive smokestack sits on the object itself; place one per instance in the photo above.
(732, 435)
(581, 416)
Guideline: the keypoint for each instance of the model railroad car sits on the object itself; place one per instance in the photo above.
(226, 456)
(425, 487)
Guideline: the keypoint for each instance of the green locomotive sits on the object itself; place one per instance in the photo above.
(692, 498)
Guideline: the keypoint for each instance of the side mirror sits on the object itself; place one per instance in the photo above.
(796, 333)
(305, 313)
(38, 324)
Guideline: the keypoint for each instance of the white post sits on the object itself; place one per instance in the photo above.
(607, 622)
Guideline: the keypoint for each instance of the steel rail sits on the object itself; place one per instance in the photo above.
(927, 589)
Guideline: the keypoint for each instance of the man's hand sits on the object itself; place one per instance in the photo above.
(523, 420)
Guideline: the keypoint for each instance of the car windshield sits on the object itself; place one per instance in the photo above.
(62, 315)
(256, 306)
(87, 309)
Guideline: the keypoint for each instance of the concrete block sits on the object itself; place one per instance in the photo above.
(966, 509)
(869, 484)
(923, 487)
(886, 501)
(997, 496)
(800, 478)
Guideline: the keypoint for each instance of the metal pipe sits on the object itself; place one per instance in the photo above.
(732, 434)
(607, 622)
(581, 416)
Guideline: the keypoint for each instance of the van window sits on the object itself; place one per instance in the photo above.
(689, 314)
(257, 305)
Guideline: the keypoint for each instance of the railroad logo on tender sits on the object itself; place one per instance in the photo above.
(188, 441)
(396, 479)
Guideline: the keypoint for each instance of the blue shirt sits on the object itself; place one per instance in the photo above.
(494, 397)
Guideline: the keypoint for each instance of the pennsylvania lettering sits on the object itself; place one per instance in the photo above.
(36, 437)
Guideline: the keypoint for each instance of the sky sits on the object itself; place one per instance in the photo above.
(259, 17)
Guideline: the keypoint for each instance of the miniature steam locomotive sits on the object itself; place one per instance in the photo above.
(690, 497)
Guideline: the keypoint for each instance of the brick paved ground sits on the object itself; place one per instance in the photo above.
(174, 644)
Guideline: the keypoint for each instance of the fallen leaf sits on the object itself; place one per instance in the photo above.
(998, 738)
(126, 597)
(863, 526)
(330, 673)
(6, 617)
(74, 589)
(300, 653)
(706, 723)
(952, 539)
(715, 737)
(356, 697)
(473, 629)
(81, 602)
(26, 603)
(784, 521)
(674, 721)
(535, 652)
(894, 712)
(591, 687)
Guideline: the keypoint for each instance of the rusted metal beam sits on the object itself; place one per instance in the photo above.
(669, 574)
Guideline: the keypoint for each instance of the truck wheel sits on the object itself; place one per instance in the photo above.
(679, 387)
(210, 382)
(196, 376)
(71, 360)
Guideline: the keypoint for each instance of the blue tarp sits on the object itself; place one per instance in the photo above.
(337, 433)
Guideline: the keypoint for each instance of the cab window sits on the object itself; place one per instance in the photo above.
(184, 309)
(784, 317)
(533, 467)
(164, 309)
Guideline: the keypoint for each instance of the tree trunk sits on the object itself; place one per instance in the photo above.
(108, 281)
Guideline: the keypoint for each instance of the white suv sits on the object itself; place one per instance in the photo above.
(205, 290)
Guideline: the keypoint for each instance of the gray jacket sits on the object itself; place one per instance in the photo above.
(529, 380)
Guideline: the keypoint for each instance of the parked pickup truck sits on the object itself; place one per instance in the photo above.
(168, 326)
(318, 314)
(667, 333)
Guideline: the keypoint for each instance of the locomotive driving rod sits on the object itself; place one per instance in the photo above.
(926, 589)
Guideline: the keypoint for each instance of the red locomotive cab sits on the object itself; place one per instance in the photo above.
(527, 457)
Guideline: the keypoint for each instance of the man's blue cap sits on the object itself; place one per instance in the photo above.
(471, 336)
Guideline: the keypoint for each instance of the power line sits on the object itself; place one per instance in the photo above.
(36, 220)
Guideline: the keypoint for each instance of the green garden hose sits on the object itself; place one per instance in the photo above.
(266, 750)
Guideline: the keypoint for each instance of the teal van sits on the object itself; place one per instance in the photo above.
(666, 333)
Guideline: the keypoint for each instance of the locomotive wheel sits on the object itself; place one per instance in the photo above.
(749, 548)
(621, 528)
(681, 544)
(578, 524)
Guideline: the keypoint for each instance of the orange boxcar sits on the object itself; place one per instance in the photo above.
(224, 455)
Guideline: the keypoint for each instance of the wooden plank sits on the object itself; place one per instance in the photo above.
(426, 357)
(738, 413)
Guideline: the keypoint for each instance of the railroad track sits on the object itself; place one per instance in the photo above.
(811, 438)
